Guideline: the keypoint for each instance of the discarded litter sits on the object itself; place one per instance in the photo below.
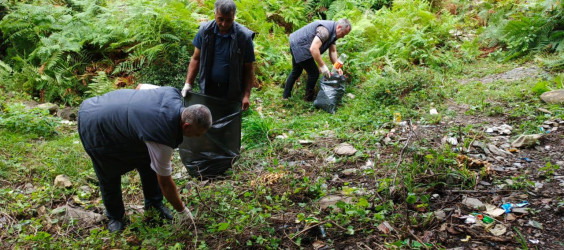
(526, 159)
(522, 204)
(469, 219)
(534, 241)
(467, 238)
(509, 206)
(484, 218)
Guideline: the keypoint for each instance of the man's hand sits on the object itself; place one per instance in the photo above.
(186, 89)
(340, 71)
(325, 71)
(245, 103)
(184, 217)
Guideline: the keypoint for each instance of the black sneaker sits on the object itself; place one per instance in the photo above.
(162, 211)
(116, 225)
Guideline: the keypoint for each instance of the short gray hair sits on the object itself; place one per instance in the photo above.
(225, 6)
(197, 114)
(345, 23)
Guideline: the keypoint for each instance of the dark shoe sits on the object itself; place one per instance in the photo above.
(309, 96)
(162, 212)
(115, 225)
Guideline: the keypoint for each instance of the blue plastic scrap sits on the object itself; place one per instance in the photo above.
(526, 159)
(507, 207)
(522, 204)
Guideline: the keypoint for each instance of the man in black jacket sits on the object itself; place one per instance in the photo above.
(138, 129)
(223, 56)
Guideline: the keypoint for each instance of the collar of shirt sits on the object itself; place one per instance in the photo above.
(227, 35)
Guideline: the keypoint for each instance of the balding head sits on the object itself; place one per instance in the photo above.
(196, 120)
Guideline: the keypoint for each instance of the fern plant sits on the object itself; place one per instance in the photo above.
(100, 85)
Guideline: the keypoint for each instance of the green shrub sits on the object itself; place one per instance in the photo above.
(35, 121)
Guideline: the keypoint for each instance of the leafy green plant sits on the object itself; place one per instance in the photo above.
(100, 85)
(256, 131)
(18, 118)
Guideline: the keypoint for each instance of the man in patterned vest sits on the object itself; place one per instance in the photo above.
(306, 45)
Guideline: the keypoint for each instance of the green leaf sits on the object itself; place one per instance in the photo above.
(222, 226)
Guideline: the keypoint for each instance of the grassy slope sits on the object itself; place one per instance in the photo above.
(272, 195)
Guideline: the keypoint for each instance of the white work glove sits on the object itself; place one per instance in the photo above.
(184, 217)
(186, 89)
(325, 71)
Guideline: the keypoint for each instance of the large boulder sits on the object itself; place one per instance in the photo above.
(68, 113)
(53, 108)
(553, 97)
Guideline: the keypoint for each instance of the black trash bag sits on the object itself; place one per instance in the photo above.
(330, 93)
(211, 154)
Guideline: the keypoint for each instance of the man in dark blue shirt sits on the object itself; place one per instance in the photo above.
(223, 56)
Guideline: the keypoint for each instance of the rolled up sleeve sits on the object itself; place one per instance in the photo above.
(160, 158)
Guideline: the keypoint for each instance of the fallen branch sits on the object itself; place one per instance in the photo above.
(308, 228)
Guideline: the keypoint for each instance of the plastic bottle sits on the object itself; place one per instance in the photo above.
(339, 63)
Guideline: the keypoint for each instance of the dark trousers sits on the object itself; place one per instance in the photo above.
(110, 166)
(312, 76)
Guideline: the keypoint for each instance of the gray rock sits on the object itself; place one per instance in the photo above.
(68, 113)
(62, 181)
(526, 141)
(345, 149)
(482, 146)
(520, 210)
(53, 108)
(440, 214)
(473, 203)
(331, 200)
(82, 216)
(553, 97)
(517, 164)
(497, 151)
(349, 171)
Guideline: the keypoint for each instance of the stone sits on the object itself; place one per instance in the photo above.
(62, 181)
(368, 165)
(473, 203)
(349, 171)
(53, 108)
(331, 200)
(440, 214)
(482, 146)
(499, 152)
(510, 217)
(553, 97)
(526, 141)
(452, 141)
(345, 149)
(68, 113)
(80, 215)
(535, 224)
(498, 230)
(305, 142)
(520, 210)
